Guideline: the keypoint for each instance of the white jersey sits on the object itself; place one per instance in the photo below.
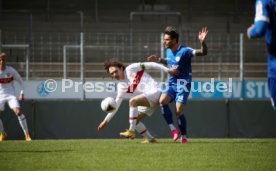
(7, 77)
(146, 85)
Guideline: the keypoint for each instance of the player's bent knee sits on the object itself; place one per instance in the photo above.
(164, 101)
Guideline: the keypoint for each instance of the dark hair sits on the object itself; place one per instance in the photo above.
(113, 63)
(172, 32)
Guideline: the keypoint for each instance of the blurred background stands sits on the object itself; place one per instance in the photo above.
(49, 27)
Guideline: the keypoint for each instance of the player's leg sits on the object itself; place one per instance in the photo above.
(182, 122)
(3, 134)
(139, 100)
(165, 98)
(181, 100)
(272, 90)
(141, 128)
(153, 101)
(14, 105)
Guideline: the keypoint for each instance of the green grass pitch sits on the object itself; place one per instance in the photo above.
(130, 155)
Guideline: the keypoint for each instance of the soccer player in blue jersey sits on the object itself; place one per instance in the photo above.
(180, 57)
(265, 25)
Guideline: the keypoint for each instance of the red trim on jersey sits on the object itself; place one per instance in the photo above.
(133, 118)
(136, 81)
(6, 80)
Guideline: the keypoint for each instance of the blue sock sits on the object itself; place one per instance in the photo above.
(182, 124)
(167, 113)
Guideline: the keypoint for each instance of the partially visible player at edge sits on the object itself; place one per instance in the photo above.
(7, 95)
(178, 56)
(265, 24)
(143, 90)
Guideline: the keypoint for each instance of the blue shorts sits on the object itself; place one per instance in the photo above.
(272, 90)
(178, 94)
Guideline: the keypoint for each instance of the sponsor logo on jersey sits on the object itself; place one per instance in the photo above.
(177, 58)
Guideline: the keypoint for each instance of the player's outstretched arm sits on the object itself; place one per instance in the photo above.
(109, 116)
(151, 65)
(154, 58)
(202, 37)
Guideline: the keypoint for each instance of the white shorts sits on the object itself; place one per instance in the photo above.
(11, 100)
(153, 99)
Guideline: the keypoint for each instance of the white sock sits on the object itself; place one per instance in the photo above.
(133, 114)
(172, 127)
(141, 128)
(1, 126)
(23, 123)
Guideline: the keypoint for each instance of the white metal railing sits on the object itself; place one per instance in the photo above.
(252, 71)
(51, 48)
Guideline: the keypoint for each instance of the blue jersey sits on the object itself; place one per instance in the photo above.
(265, 24)
(180, 59)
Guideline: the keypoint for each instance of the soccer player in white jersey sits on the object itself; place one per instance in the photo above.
(7, 95)
(144, 91)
